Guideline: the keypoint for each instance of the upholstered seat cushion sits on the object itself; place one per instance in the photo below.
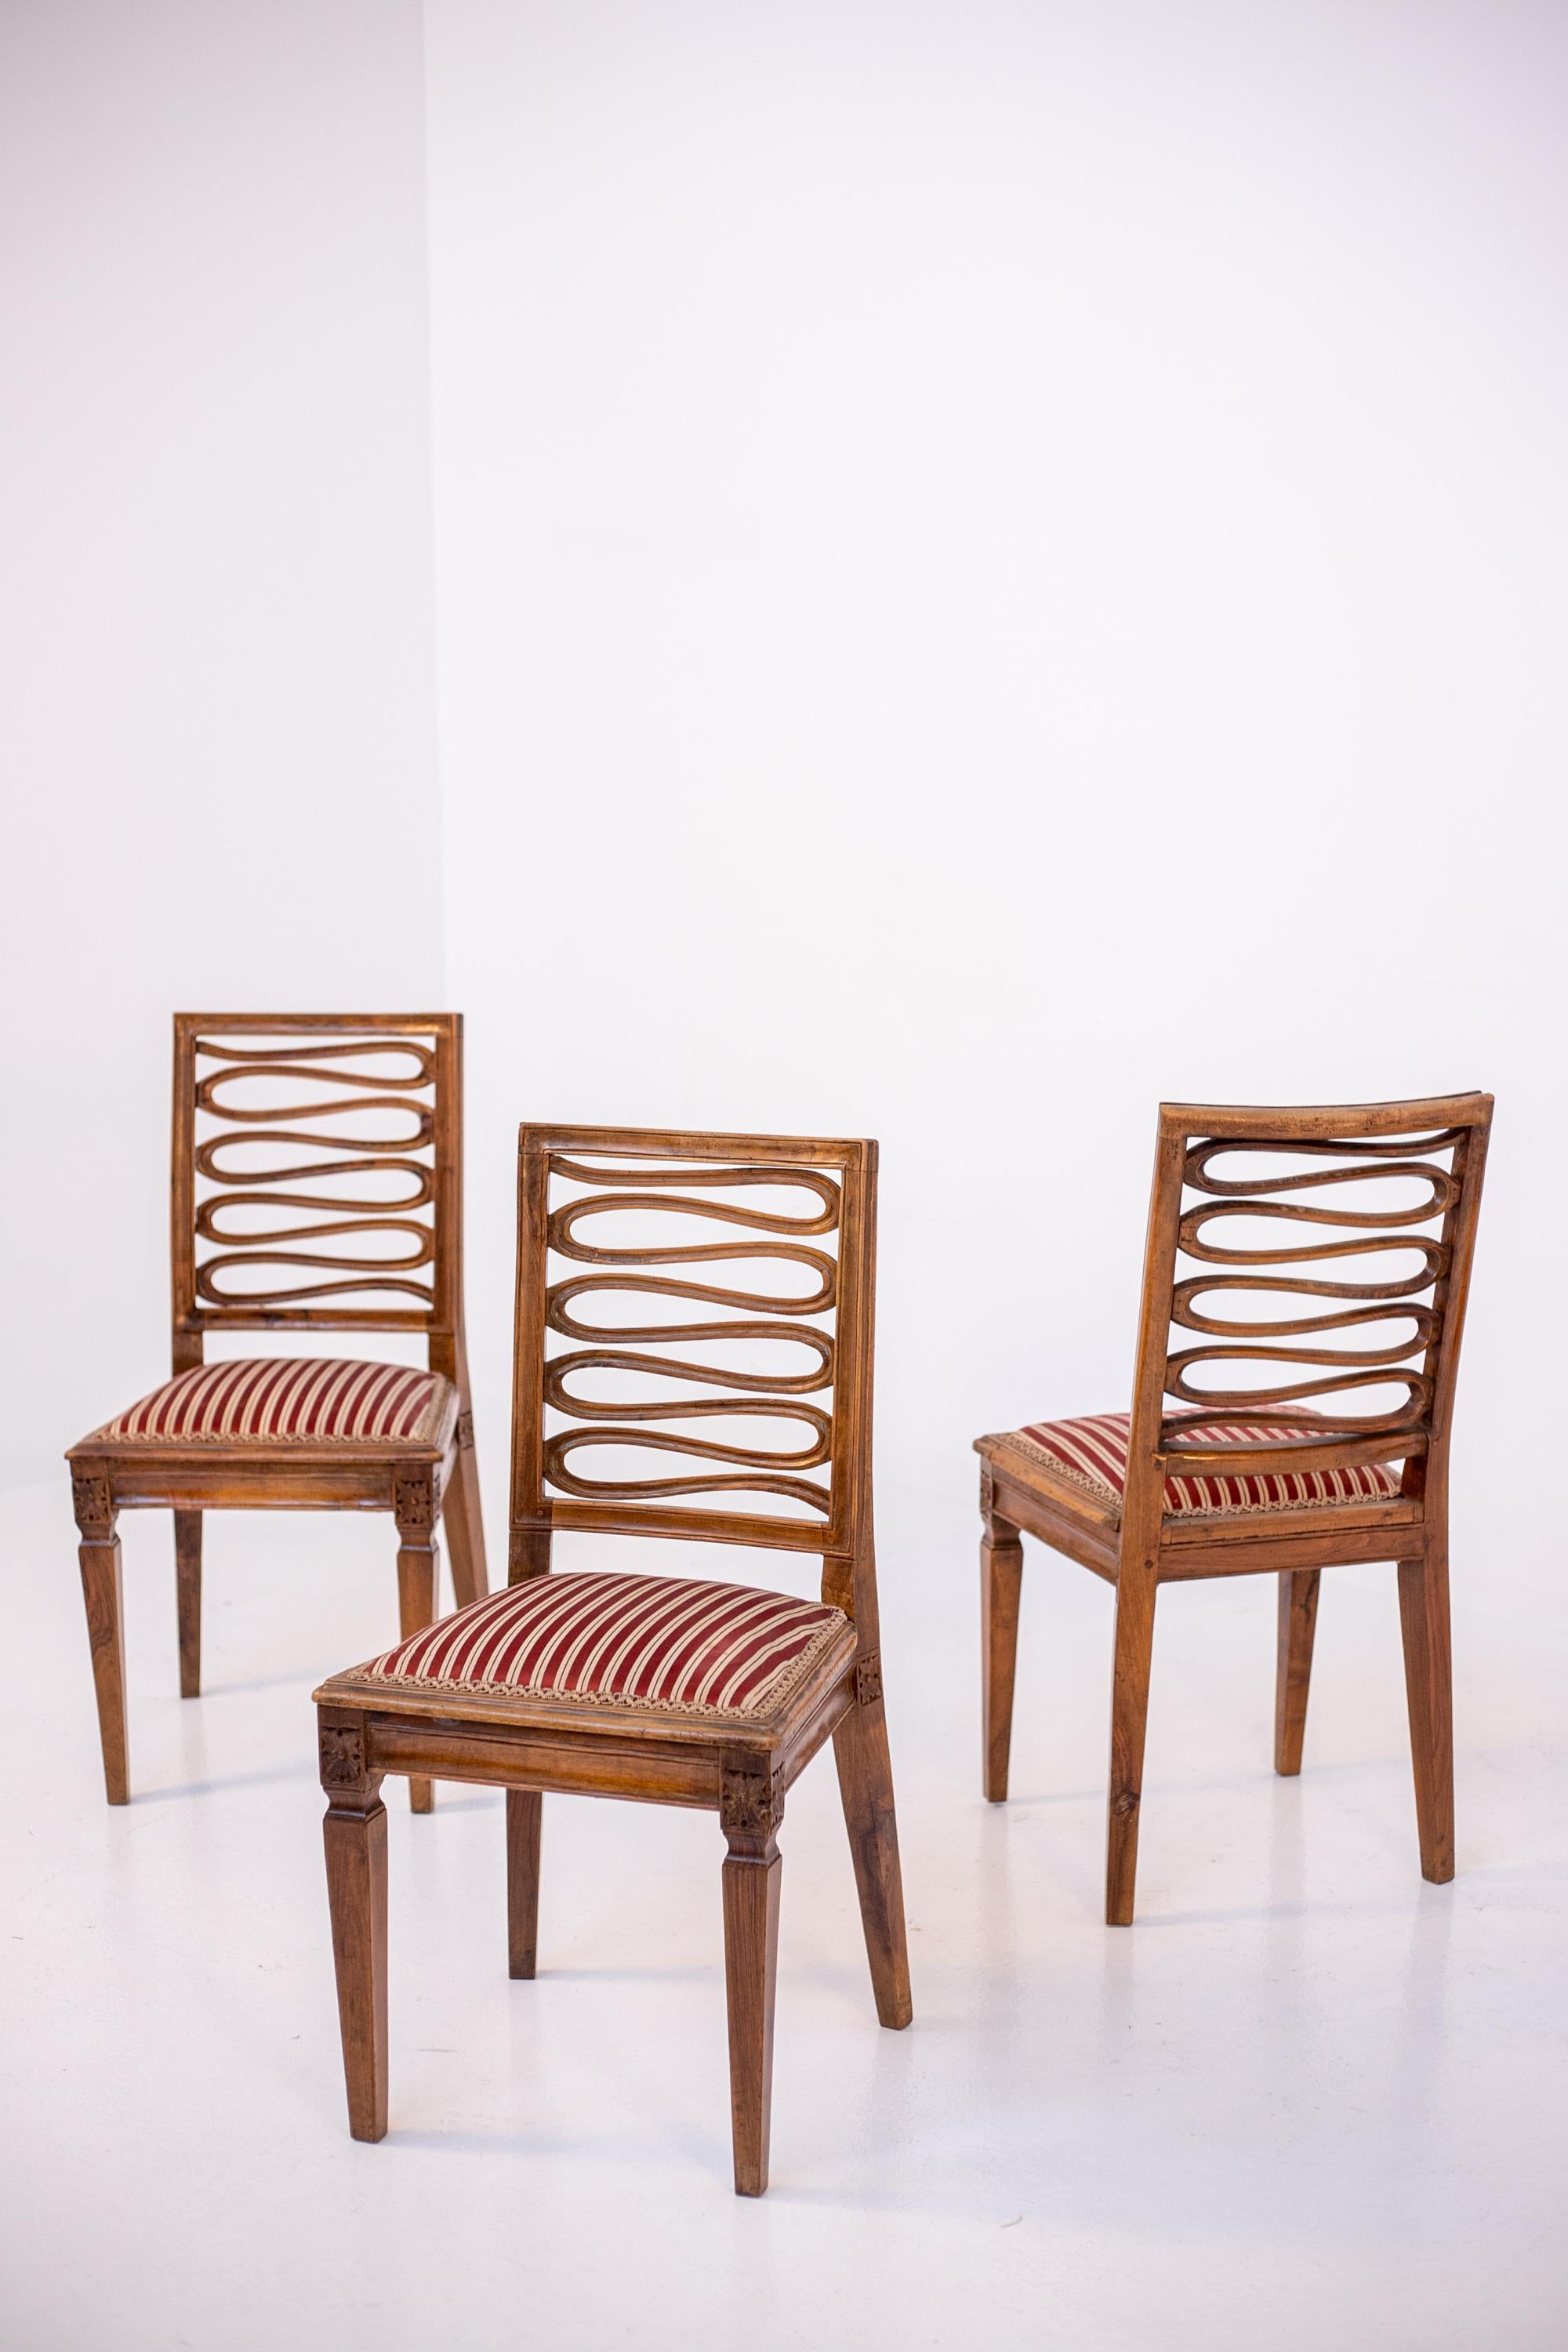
(284, 1401)
(1091, 1454)
(693, 1647)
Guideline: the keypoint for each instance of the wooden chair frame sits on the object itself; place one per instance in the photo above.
(740, 1769)
(419, 1484)
(1147, 1545)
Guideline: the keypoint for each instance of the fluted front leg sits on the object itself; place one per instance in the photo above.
(416, 1503)
(1000, 1587)
(356, 1836)
(750, 1809)
(99, 1554)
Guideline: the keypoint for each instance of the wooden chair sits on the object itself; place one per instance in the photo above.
(317, 1157)
(1244, 1480)
(679, 1691)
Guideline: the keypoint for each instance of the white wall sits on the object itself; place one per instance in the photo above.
(994, 564)
(997, 564)
(218, 715)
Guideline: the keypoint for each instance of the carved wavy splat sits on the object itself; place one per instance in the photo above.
(290, 1157)
(1398, 1329)
(753, 1236)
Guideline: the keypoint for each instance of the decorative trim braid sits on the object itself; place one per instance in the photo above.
(287, 1400)
(1092, 1452)
(695, 1647)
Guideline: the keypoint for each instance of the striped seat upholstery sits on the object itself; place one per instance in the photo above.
(1091, 1454)
(287, 1400)
(675, 1643)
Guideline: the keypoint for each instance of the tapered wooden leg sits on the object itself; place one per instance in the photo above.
(751, 1969)
(460, 1516)
(355, 1833)
(750, 1810)
(866, 1782)
(1129, 1715)
(525, 1821)
(100, 1586)
(1001, 1580)
(1428, 1684)
(1293, 1665)
(188, 1593)
(99, 1553)
(419, 1579)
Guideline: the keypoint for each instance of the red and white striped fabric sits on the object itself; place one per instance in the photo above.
(622, 1641)
(1092, 1452)
(286, 1400)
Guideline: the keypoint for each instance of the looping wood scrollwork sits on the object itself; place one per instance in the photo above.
(1307, 1367)
(282, 1161)
(622, 1348)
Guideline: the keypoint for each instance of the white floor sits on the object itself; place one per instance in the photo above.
(1307, 2104)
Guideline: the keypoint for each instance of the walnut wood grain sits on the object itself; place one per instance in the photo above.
(1298, 1623)
(355, 1834)
(1001, 1586)
(100, 1586)
(525, 1832)
(751, 1884)
(865, 1786)
(1429, 1684)
(415, 1504)
(188, 1599)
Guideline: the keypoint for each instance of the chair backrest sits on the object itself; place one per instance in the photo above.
(317, 1179)
(1267, 1254)
(758, 1431)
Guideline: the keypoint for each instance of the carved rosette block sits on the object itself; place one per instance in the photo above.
(92, 1503)
(987, 1490)
(750, 1806)
(342, 1755)
(415, 1503)
(465, 1433)
(869, 1678)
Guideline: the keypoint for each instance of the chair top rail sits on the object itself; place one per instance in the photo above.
(1350, 1123)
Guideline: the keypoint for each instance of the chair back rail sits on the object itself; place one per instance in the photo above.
(317, 1176)
(1367, 1288)
(760, 1244)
